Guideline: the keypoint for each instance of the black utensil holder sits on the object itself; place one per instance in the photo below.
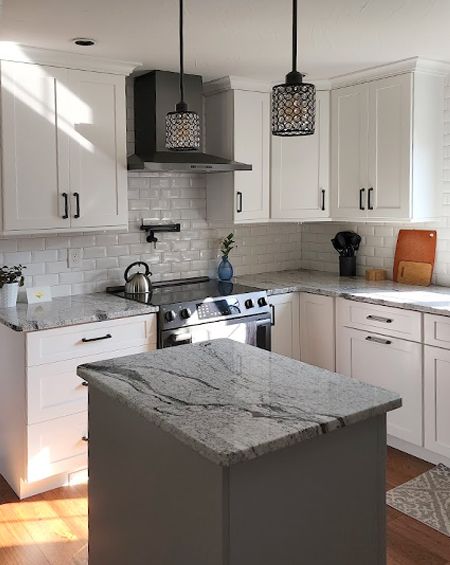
(347, 266)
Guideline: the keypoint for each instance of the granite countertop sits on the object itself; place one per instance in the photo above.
(431, 299)
(71, 310)
(233, 402)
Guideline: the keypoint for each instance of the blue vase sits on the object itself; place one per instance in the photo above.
(225, 269)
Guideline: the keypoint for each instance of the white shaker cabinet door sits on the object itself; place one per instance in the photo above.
(252, 145)
(390, 363)
(35, 148)
(95, 109)
(349, 151)
(285, 324)
(390, 142)
(317, 330)
(300, 170)
(437, 400)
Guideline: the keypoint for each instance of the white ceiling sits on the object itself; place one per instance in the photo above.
(239, 37)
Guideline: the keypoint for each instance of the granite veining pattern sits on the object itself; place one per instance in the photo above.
(431, 299)
(232, 402)
(71, 310)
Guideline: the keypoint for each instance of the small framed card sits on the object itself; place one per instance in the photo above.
(37, 294)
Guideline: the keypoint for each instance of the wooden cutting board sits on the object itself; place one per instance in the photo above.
(414, 256)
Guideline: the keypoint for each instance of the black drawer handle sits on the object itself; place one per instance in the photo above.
(369, 199)
(239, 202)
(85, 438)
(379, 319)
(272, 307)
(323, 200)
(89, 339)
(84, 383)
(378, 340)
(66, 205)
(361, 196)
(77, 203)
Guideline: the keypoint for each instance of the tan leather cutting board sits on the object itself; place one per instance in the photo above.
(414, 256)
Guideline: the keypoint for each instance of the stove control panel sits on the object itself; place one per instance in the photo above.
(182, 314)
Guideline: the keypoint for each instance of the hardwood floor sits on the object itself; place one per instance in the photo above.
(51, 529)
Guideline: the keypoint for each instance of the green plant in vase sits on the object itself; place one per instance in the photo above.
(225, 269)
(10, 280)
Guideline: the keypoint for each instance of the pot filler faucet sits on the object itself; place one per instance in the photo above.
(151, 229)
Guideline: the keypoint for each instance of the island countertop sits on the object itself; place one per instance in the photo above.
(431, 299)
(232, 402)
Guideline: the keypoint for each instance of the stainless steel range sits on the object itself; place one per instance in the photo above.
(200, 309)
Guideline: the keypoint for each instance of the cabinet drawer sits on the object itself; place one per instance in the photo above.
(437, 330)
(380, 319)
(57, 446)
(76, 342)
(55, 389)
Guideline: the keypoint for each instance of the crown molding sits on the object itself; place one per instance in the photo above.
(413, 64)
(35, 55)
(242, 83)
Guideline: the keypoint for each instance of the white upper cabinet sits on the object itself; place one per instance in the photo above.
(63, 146)
(238, 128)
(300, 170)
(386, 143)
(35, 148)
(96, 114)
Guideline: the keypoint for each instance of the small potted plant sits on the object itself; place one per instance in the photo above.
(225, 269)
(10, 280)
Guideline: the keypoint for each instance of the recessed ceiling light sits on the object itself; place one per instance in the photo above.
(83, 41)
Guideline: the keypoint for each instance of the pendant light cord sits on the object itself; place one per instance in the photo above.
(294, 35)
(181, 52)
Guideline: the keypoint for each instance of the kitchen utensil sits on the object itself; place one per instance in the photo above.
(346, 243)
(417, 247)
(138, 283)
(412, 272)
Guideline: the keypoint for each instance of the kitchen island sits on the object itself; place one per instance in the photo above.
(225, 454)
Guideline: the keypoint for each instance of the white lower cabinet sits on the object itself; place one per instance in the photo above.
(285, 324)
(317, 330)
(437, 400)
(43, 403)
(390, 363)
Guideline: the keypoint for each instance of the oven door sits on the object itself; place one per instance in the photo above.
(254, 330)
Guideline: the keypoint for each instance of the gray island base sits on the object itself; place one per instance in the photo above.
(224, 454)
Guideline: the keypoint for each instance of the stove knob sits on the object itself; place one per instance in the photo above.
(186, 313)
(249, 303)
(170, 316)
(262, 301)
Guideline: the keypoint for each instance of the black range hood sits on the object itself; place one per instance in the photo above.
(155, 94)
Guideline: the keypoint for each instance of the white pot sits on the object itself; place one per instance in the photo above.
(8, 295)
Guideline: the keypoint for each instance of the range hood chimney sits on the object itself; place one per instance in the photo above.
(155, 94)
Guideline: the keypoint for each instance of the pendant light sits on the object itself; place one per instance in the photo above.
(182, 126)
(294, 102)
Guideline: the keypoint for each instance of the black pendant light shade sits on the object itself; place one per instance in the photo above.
(182, 126)
(294, 102)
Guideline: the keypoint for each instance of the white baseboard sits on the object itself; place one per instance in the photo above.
(419, 452)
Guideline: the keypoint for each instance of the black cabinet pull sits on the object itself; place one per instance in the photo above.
(379, 319)
(323, 200)
(77, 203)
(89, 339)
(84, 383)
(85, 438)
(378, 340)
(272, 307)
(369, 199)
(239, 201)
(361, 196)
(66, 205)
